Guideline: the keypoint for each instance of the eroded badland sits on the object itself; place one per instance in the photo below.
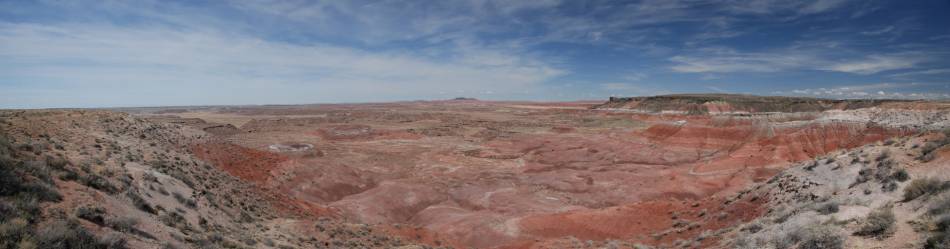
(673, 171)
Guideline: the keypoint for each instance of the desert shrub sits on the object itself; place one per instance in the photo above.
(68, 175)
(826, 208)
(113, 240)
(7, 211)
(40, 191)
(97, 182)
(25, 208)
(926, 151)
(863, 175)
(938, 240)
(920, 187)
(940, 206)
(93, 214)
(149, 177)
(879, 223)
(184, 201)
(173, 219)
(889, 186)
(38, 169)
(943, 223)
(811, 166)
(57, 163)
(884, 155)
(269, 242)
(140, 203)
(10, 181)
(819, 236)
(122, 224)
(900, 175)
(249, 241)
(69, 234)
(13, 231)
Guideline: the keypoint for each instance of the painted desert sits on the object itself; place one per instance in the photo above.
(672, 171)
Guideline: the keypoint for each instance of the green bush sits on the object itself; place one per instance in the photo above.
(879, 223)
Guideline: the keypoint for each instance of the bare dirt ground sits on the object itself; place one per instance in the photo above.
(519, 174)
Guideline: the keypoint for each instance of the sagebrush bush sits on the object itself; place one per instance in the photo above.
(938, 240)
(942, 223)
(13, 231)
(819, 236)
(40, 191)
(188, 202)
(97, 182)
(826, 208)
(900, 175)
(93, 214)
(69, 234)
(879, 223)
(926, 151)
(920, 187)
(940, 206)
(140, 203)
(122, 224)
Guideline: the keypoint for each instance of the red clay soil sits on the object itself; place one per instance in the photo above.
(530, 178)
(351, 132)
(245, 163)
(650, 222)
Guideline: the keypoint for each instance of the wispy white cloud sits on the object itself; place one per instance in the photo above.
(880, 31)
(156, 65)
(923, 72)
(780, 6)
(876, 63)
(729, 61)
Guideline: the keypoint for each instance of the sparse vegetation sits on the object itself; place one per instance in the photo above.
(901, 175)
(188, 202)
(940, 206)
(927, 151)
(93, 214)
(122, 224)
(826, 208)
(920, 187)
(821, 236)
(879, 223)
(140, 203)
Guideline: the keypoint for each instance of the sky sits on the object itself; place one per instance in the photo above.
(65, 53)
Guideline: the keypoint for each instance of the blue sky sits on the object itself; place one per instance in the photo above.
(149, 53)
